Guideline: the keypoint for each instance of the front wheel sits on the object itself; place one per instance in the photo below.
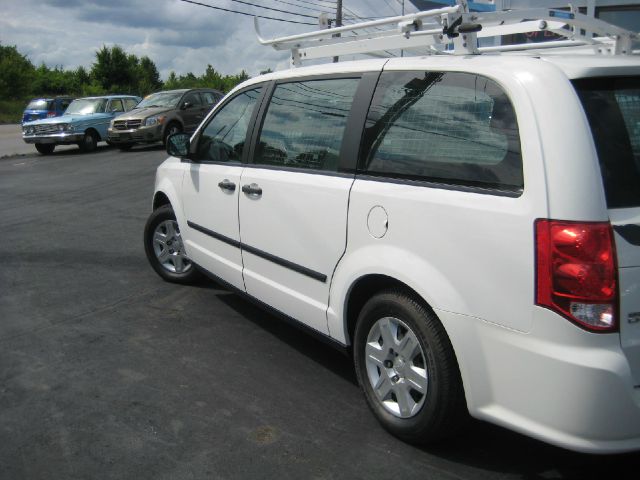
(165, 249)
(407, 369)
(89, 142)
(172, 128)
(45, 148)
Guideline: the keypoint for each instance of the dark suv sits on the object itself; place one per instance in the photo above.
(162, 114)
(40, 108)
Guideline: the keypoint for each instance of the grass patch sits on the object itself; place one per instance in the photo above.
(11, 110)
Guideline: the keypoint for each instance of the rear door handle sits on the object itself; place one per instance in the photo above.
(252, 189)
(227, 184)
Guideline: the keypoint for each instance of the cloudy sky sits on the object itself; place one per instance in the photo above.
(176, 35)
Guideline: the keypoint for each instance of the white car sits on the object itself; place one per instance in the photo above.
(468, 225)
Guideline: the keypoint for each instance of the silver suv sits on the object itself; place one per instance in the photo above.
(162, 114)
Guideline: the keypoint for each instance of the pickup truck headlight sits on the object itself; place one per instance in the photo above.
(155, 120)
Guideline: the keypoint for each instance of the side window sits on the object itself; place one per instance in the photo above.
(130, 103)
(64, 104)
(455, 128)
(208, 98)
(305, 122)
(223, 139)
(116, 105)
(193, 98)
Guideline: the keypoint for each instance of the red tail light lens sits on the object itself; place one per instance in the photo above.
(576, 274)
(51, 114)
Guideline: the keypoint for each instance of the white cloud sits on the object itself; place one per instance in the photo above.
(176, 35)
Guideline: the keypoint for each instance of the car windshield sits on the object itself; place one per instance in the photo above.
(86, 106)
(162, 99)
(40, 104)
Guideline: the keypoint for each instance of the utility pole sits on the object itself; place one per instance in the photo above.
(402, 51)
(338, 21)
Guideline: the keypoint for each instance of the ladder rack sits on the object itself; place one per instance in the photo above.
(455, 31)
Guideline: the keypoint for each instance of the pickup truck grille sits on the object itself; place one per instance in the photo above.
(127, 124)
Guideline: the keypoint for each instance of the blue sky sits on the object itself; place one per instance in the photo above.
(177, 36)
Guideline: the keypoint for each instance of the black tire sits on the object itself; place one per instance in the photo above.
(89, 142)
(154, 250)
(441, 410)
(125, 147)
(171, 128)
(45, 148)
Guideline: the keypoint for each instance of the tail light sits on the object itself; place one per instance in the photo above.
(51, 114)
(576, 273)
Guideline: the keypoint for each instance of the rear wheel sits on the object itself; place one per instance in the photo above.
(165, 249)
(45, 148)
(407, 369)
(89, 142)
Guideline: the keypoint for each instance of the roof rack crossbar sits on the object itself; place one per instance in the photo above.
(456, 25)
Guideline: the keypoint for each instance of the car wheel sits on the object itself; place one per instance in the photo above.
(165, 249)
(124, 147)
(407, 369)
(172, 128)
(89, 142)
(45, 148)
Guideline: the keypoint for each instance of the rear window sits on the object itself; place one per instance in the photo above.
(612, 105)
(40, 105)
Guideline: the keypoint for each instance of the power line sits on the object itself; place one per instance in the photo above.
(247, 14)
(273, 9)
(315, 4)
(301, 6)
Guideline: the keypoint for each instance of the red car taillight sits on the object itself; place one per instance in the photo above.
(51, 114)
(576, 274)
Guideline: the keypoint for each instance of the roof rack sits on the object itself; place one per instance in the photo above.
(455, 31)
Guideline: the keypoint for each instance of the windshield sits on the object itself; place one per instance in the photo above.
(40, 105)
(161, 99)
(85, 106)
(612, 105)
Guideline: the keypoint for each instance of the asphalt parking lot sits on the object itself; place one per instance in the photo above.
(106, 371)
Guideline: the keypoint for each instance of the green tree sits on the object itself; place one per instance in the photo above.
(114, 70)
(16, 73)
(148, 77)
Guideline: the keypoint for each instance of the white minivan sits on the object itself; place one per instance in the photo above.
(467, 225)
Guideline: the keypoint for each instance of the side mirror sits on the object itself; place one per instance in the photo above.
(185, 105)
(178, 145)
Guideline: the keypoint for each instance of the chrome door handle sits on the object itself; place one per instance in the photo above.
(227, 184)
(252, 189)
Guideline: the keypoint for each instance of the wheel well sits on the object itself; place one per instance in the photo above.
(173, 122)
(95, 132)
(159, 200)
(365, 288)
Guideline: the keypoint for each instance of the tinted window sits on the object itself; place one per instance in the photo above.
(209, 98)
(64, 104)
(305, 122)
(129, 103)
(453, 128)
(223, 139)
(193, 98)
(612, 106)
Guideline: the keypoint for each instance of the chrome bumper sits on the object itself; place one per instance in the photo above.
(63, 137)
(141, 135)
